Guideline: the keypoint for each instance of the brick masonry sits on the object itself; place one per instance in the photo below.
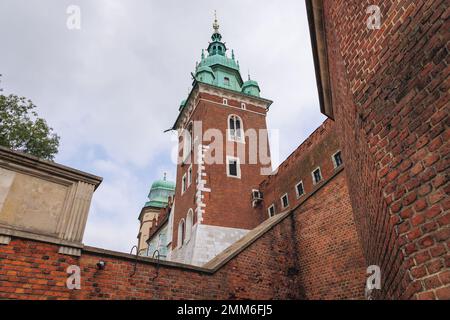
(298, 258)
(390, 91)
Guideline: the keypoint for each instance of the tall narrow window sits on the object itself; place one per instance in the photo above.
(317, 176)
(189, 176)
(181, 233)
(284, 201)
(299, 189)
(337, 159)
(189, 220)
(183, 184)
(225, 101)
(271, 210)
(235, 128)
(233, 167)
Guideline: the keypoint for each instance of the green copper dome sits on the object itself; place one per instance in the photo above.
(160, 192)
(251, 87)
(218, 69)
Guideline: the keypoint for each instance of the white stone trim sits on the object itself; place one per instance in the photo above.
(313, 178)
(296, 189)
(334, 160)
(270, 207)
(287, 198)
(201, 183)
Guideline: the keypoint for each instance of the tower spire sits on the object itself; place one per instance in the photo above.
(216, 23)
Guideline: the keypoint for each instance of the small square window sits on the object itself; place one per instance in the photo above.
(284, 201)
(299, 189)
(225, 101)
(337, 159)
(233, 167)
(271, 210)
(226, 81)
(317, 176)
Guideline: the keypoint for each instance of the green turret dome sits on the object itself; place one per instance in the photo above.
(160, 192)
(251, 87)
(205, 74)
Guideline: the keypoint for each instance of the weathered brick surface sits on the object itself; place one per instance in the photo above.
(312, 254)
(390, 91)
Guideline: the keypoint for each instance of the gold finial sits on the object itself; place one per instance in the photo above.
(215, 24)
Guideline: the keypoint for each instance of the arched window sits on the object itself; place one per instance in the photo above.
(235, 128)
(189, 222)
(181, 233)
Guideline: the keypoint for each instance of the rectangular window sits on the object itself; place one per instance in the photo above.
(183, 184)
(225, 101)
(271, 210)
(243, 106)
(299, 189)
(317, 176)
(284, 201)
(233, 167)
(337, 159)
(226, 81)
(189, 176)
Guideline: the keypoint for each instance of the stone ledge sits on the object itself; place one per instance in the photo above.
(7, 232)
(14, 160)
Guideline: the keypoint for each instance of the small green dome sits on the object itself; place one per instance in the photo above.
(159, 194)
(251, 87)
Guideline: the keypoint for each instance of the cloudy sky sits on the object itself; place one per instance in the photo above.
(111, 88)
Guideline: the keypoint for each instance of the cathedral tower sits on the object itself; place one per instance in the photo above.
(223, 157)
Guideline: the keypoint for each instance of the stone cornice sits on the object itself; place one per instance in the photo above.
(21, 162)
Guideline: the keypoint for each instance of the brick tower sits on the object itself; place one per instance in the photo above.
(223, 157)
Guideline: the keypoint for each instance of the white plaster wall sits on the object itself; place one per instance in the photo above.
(206, 242)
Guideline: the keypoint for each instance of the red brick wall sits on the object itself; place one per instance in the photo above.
(390, 92)
(316, 151)
(311, 254)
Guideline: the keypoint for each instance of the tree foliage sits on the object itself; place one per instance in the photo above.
(22, 130)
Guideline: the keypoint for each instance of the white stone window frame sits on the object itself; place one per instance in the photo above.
(188, 225)
(183, 183)
(189, 176)
(181, 226)
(272, 206)
(233, 137)
(287, 200)
(314, 178)
(238, 167)
(243, 106)
(225, 101)
(296, 189)
(334, 160)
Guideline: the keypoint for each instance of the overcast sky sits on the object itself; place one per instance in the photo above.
(111, 88)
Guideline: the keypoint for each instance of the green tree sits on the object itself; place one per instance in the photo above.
(22, 130)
